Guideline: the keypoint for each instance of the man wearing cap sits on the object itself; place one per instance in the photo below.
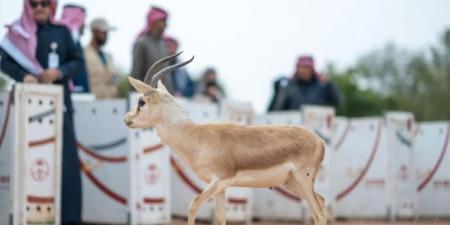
(101, 71)
(150, 46)
(306, 87)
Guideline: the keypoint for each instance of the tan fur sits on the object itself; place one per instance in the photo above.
(234, 155)
(234, 147)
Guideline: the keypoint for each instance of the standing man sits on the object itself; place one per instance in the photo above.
(37, 50)
(150, 47)
(73, 17)
(101, 71)
(306, 87)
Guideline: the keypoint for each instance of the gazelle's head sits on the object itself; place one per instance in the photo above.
(154, 95)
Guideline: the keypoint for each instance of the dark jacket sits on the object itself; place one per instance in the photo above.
(299, 92)
(70, 62)
(182, 81)
(279, 84)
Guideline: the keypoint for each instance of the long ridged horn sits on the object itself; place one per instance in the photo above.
(157, 76)
(158, 66)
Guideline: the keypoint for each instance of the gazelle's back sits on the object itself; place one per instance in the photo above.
(250, 147)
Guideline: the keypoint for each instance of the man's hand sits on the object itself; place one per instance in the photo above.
(30, 79)
(50, 75)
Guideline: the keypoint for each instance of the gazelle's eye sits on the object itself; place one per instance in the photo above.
(141, 103)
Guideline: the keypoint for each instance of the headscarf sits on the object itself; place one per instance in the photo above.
(73, 17)
(20, 41)
(306, 60)
(155, 14)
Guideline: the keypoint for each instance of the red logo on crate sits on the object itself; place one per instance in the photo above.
(152, 174)
(329, 121)
(4, 182)
(40, 169)
(404, 173)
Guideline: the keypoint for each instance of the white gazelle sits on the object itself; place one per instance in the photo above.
(225, 155)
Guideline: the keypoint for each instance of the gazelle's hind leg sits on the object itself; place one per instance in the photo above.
(306, 184)
(295, 188)
(321, 201)
(219, 210)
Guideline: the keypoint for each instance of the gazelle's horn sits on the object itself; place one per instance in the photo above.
(158, 65)
(157, 76)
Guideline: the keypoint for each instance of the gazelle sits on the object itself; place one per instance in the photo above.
(225, 155)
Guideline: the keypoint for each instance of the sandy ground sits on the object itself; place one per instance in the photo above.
(356, 222)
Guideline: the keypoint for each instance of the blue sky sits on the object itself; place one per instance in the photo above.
(253, 42)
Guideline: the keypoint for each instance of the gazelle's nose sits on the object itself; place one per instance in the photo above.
(127, 122)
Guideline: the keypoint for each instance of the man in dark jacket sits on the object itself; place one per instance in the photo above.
(306, 88)
(37, 50)
(182, 82)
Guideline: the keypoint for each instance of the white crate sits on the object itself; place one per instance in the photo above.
(7, 144)
(102, 140)
(361, 171)
(401, 164)
(236, 112)
(30, 181)
(150, 197)
(433, 169)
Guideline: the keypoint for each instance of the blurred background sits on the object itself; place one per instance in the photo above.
(380, 70)
(381, 54)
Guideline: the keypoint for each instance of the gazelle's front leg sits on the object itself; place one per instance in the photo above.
(219, 210)
(214, 187)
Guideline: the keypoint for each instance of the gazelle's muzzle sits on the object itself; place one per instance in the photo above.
(128, 119)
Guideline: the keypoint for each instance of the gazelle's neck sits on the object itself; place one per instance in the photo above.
(173, 129)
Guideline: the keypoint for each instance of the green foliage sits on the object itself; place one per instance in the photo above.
(396, 79)
(357, 101)
(123, 87)
(2, 83)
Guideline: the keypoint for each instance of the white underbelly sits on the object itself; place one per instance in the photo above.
(269, 177)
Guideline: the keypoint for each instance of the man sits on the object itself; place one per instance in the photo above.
(99, 63)
(210, 94)
(182, 82)
(73, 17)
(150, 46)
(278, 85)
(306, 87)
(208, 77)
(37, 50)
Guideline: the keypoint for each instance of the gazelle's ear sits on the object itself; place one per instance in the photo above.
(162, 87)
(140, 86)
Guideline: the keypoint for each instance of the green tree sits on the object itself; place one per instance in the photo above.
(418, 82)
(357, 101)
